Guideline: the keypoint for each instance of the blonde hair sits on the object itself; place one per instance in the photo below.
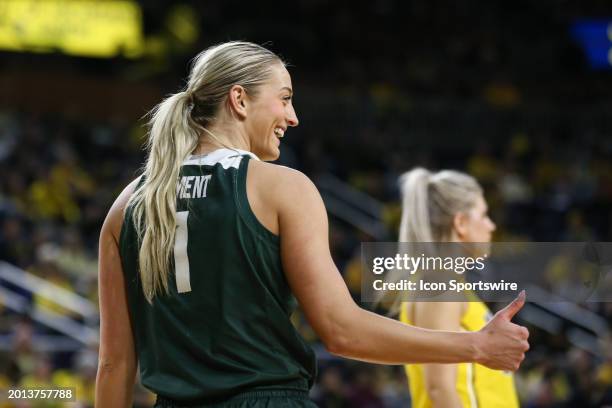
(175, 127)
(430, 202)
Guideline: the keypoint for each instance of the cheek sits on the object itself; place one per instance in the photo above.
(476, 230)
(279, 111)
(484, 228)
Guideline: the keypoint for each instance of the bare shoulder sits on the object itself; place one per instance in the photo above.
(282, 181)
(275, 170)
(114, 218)
(276, 193)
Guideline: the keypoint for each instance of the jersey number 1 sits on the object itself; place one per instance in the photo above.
(181, 259)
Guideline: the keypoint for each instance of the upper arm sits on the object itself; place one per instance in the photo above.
(439, 316)
(116, 341)
(307, 261)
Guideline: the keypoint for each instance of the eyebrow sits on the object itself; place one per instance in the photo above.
(288, 89)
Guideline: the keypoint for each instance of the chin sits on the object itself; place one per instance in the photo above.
(270, 155)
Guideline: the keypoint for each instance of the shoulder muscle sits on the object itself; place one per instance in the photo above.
(114, 218)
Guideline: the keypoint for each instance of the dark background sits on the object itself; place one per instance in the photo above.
(501, 89)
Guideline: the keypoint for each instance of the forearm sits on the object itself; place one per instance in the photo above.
(370, 337)
(115, 384)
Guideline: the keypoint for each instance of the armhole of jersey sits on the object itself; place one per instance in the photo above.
(127, 217)
(244, 208)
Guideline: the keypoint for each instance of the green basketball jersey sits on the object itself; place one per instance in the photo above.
(225, 326)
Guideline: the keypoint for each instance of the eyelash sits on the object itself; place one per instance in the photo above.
(287, 98)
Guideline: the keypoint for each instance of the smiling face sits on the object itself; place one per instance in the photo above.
(270, 113)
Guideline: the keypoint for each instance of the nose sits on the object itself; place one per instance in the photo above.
(292, 119)
(493, 226)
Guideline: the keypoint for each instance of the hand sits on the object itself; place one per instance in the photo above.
(503, 344)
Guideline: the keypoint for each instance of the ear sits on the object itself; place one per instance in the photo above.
(460, 221)
(238, 100)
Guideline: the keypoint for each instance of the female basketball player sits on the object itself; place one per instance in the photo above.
(201, 257)
(449, 206)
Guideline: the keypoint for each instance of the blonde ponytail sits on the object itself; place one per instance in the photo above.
(171, 140)
(431, 201)
(415, 226)
(176, 125)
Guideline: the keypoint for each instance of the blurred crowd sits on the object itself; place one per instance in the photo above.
(52, 204)
(497, 89)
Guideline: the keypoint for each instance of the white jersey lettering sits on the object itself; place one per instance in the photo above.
(192, 186)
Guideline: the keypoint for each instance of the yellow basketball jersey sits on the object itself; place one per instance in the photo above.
(477, 385)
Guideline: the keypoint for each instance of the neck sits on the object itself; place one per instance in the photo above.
(222, 136)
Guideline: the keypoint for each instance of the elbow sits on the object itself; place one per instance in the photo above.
(440, 393)
(339, 339)
(338, 346)
(109, 366)
(338, 330)
(434, 392)
(106, 365)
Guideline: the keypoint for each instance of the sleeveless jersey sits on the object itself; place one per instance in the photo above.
(477, 386)
(225, 326)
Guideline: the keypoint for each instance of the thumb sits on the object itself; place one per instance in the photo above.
(509, 311)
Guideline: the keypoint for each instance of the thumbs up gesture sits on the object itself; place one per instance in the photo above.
(503, 344)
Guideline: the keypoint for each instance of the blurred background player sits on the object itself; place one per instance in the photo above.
(449, 206)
